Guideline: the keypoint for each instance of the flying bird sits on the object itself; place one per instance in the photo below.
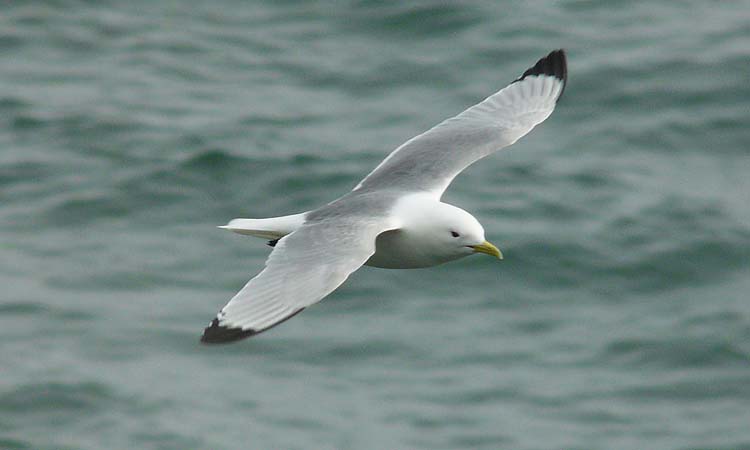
(394, 217)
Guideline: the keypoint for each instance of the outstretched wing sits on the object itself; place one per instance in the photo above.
(304, 267)
(430, 161)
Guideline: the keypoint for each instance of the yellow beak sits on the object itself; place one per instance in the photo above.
(488, 248)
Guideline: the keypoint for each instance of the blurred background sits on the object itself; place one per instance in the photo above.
(619, 318)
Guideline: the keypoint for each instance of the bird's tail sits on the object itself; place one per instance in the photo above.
(272, 228)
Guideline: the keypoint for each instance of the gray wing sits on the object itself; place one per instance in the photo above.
(304, 267)
(430, 161)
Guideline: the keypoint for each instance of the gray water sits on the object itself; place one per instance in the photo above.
(619, 318)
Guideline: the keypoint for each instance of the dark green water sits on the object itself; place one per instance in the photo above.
(620, 318)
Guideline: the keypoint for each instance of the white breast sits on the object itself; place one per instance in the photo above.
(398, 250)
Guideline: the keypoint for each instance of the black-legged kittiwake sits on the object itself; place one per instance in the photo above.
(394, 217)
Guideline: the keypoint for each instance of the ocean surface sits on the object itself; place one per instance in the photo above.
(619, 319)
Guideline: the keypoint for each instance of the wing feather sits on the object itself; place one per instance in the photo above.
(430, 161)
(303, 268)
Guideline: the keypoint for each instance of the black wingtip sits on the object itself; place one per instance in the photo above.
(216, 333)
(555, 64)
(219, 334)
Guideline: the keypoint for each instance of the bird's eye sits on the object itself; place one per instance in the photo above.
(454, 234)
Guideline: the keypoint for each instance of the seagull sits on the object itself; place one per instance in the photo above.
(394, 217)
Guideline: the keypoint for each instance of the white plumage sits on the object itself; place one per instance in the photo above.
(393, 218)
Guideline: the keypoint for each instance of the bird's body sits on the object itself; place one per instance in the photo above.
(394, 217)
(408, 247)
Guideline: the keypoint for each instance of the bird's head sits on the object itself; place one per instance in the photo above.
(462, 232)
(451, 231)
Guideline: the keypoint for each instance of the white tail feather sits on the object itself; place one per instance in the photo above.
(271, 228)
